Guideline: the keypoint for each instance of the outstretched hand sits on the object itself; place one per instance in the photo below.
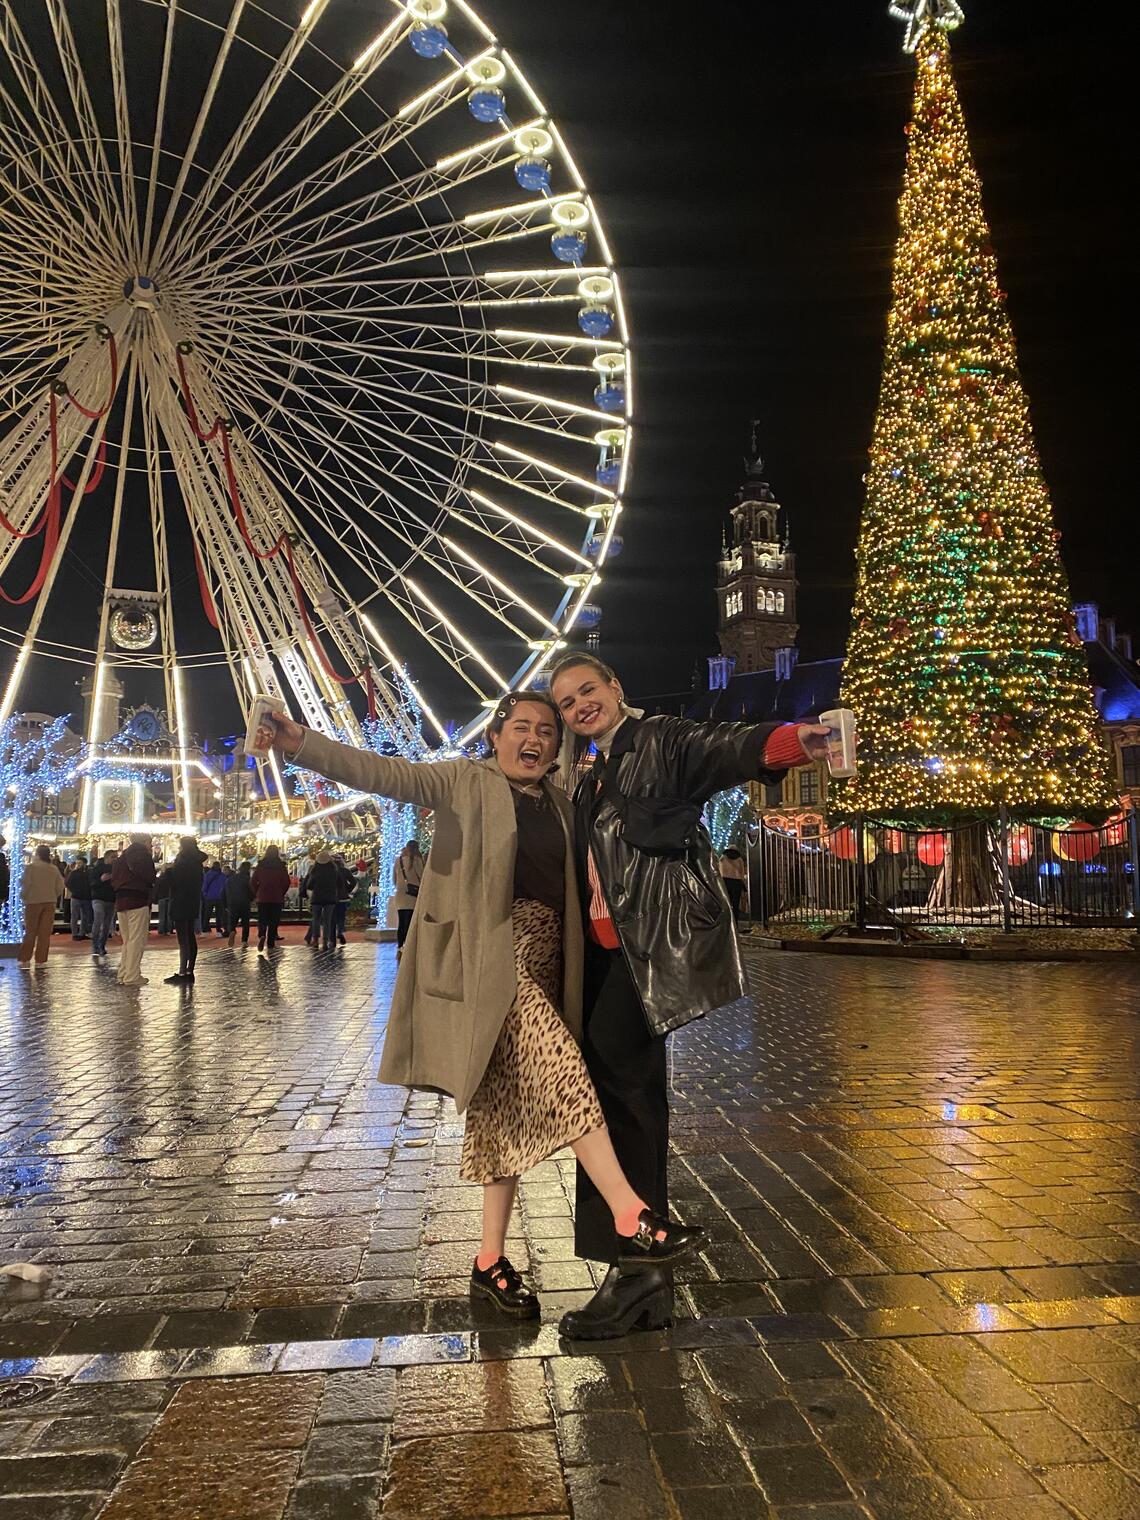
(287, 736)
(813, 739)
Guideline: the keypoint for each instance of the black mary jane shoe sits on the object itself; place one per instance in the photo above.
(505, 1288)
(643, 1249)
(625, 1302)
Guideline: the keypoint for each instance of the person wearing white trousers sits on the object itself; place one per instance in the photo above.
(132, 877)
(134, 926)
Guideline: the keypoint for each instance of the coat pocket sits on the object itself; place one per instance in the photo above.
(439, 959)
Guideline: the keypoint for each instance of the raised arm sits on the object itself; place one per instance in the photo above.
(421, 782)
(711, 757)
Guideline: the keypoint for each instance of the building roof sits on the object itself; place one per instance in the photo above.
(1116, 682)
(757, 696)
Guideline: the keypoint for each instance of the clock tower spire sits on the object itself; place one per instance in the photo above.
(756, 577)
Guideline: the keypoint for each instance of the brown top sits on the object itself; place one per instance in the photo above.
(540, 861)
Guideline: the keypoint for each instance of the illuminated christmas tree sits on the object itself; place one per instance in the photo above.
(964, 666)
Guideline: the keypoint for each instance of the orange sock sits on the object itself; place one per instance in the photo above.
(487, 1259)
(630, 1223)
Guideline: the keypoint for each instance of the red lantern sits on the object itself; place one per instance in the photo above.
(894, 841)
(1020, 847)
(932, 849)
(1080, 842)
(842, 844)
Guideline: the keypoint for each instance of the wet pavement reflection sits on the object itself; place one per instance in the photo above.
(921, 1296)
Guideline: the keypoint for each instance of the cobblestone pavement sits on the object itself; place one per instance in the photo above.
(921, 1300)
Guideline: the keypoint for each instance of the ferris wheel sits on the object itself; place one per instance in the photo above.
(313, 359)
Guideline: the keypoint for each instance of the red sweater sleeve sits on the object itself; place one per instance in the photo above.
(784, 749)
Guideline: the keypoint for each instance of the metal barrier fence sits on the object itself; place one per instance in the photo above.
(1000, 874)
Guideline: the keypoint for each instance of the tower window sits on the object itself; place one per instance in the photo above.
(779, 601)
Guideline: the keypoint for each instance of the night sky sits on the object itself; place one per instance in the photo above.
(747, 160)
(748, 164)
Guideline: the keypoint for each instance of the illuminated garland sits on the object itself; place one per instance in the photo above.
(35, 767)
(964, 666)
(725, 817)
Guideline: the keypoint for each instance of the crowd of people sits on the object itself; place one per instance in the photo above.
(121, 892)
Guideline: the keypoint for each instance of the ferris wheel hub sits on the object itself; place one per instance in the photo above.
(142, 292)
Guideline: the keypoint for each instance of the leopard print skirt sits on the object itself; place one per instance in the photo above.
(536, 1095)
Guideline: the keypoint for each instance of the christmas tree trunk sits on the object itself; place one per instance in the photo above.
(964, 666)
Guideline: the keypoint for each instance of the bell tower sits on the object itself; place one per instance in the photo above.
(756, 577)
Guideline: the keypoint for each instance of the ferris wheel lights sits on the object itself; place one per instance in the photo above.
(570, 215)
(597, 288)
(610, 365)
(427, 10)
(310, 14)
(533, 142)
(486, 72)
(610, 438)
(363, 59)
(547, 465)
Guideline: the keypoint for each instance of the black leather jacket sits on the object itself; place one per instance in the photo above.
(670, 909)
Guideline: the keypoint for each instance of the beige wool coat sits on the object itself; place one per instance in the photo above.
(457, 978)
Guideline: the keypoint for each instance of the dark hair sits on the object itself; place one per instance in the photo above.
(42, 852)
(511, 700)
(581, 657)
(271, 852)
(732, 854)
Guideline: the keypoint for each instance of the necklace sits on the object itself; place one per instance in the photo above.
(531, 790)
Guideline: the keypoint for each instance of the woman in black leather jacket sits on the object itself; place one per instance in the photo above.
(660, 946)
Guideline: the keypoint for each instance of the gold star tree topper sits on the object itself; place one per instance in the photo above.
(921, 15)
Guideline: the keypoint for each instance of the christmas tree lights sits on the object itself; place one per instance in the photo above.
(964, 666)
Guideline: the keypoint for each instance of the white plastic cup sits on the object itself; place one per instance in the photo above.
(840, 742)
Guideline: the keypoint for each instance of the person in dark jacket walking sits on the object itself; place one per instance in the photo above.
(324, 887)
(214, 898)
(270, 882)
(102, 903)
(239, 902)
(346, 890)
(79, 887)
(660, 945)
(181, 883)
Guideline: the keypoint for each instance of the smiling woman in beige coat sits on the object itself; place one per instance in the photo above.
(488, 999)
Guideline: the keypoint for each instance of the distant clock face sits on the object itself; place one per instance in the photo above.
(145, 726)
(133, 627)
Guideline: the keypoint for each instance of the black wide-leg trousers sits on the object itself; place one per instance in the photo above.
(628, 1068)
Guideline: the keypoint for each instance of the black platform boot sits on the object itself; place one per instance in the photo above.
(626, 1301)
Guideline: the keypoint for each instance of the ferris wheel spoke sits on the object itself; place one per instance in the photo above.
(175, 209)
(518, 347)
(159, 133)
(487, 517)
(354, 262)
(69, 169)
(296, 140)
(282, 67)
(295, 218)
(90, 131)
(544, 490)
(122, 121)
